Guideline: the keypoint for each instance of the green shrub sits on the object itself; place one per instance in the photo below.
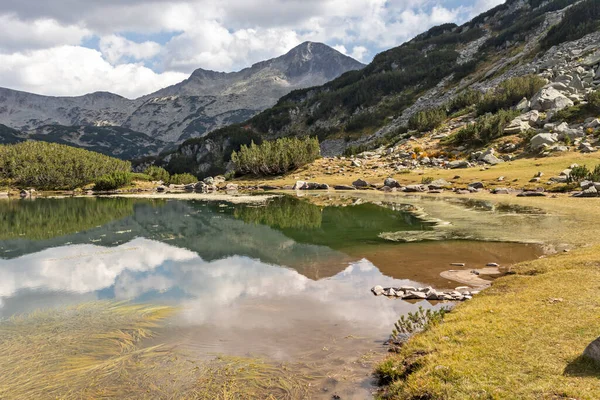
(594, 175)
(426, 180)
(578, 21)
(428, 119)
(51, 166)
(509, 93)
(486, 128)
(582, 172)
(594, 101)
(464, 99)
(275, 157)
(183, 179)
(579, 173)
(157, 173)
(140, 177)
(112, 181)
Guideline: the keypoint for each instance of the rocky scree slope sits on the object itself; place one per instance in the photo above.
(364, 109)
(205, 101)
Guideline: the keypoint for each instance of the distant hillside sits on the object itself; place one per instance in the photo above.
(205, 101)
(373, 105)
(110, 140)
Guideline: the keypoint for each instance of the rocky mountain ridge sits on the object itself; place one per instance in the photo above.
(556, 40)
(205, 101)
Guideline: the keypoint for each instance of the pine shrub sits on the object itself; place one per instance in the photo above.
(275, 157)
(51, 166)
(509, 93)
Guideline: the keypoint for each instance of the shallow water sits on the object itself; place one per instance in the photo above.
(289, 281)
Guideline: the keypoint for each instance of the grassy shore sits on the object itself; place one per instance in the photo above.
(520, 339)
(516, 173)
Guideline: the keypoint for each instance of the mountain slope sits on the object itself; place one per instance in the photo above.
(113, 141)
(205, 101)
(373, 105)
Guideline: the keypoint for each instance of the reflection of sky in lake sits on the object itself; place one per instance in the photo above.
(232, 292)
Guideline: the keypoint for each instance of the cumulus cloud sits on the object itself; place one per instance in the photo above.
(115, 48)
(16, 34)
(209, 34)
(76, 70)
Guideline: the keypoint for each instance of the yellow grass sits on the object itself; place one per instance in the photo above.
(521, 339)
(516, 173)
(95, 351)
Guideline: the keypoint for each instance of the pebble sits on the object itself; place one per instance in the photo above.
(457, 264)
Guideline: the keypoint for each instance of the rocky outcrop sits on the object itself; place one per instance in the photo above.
(425, 293)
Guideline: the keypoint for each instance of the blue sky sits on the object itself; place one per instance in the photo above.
(134, 47)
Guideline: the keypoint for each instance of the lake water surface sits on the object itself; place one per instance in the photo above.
(288, 281)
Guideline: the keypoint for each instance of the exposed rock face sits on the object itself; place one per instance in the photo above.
(205, 101)
(550, 99)
(543, 139)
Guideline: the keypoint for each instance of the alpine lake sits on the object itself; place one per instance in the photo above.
(269, 299)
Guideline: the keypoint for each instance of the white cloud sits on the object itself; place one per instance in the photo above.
(115, 48)
(210, 34)
(17, 34)
(359, 52)
(210, 45)
(75, 70)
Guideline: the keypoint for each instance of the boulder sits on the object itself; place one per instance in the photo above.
(414, 295)
(161, 189)
(316, 186)
(209, 180)
(491, 159)
(392, 183)
(531, 194)
(219, 179)
(231, 187)
(550, 99)
(439, 184)
(415, 188)
(523, 105)
(458, 164)
(589, 192)
(476, 185)
(543, 139)
(593, 351)
(377, 290)
(356, 163)
(586, 148)
(201, 187)
(360, 183)
(300, 185)
(593, 124)
(501, 191)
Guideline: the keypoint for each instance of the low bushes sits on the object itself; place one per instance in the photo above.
(112, 181)
(509, 93)
(51, 166)
(485, 129)
(183, 179)
(428, 119)
(157, 173)
(275, 157)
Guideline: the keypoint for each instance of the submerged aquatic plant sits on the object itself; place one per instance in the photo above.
(95, 351)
